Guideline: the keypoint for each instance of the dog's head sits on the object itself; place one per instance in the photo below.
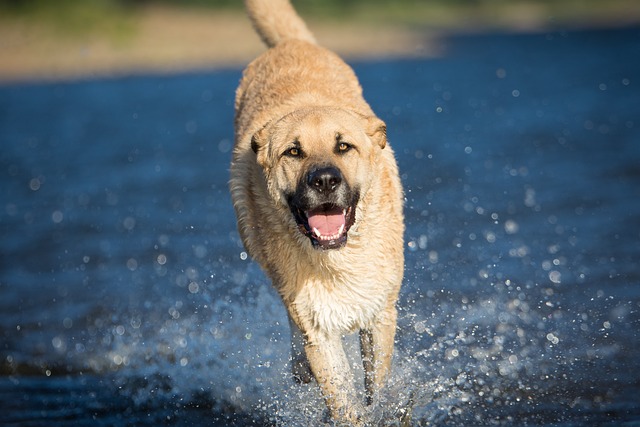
(318, 163)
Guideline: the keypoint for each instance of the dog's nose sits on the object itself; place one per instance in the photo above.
(324, 180)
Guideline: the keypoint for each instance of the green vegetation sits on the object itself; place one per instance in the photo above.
(475, 13)
(113, 16)
(72, 17)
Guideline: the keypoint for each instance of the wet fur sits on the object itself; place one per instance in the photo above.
(299, 91)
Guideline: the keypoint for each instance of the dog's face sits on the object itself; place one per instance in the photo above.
(318, 163)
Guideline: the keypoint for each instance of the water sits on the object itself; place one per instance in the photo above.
(126, 297)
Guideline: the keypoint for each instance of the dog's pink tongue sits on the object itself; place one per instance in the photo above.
(328, 223)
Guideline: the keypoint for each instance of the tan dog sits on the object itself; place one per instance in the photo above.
(319, 202)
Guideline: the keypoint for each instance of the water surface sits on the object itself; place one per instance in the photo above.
(126, 297)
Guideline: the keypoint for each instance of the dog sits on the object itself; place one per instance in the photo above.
(319, 205)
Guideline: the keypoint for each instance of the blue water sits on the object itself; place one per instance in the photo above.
(126, 297)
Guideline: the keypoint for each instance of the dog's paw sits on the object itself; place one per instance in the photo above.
(353, 416)
(301, 371)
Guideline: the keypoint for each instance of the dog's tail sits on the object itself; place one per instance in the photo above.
(276, 20)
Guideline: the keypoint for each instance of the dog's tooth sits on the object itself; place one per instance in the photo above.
(317, 232)
(341, 229)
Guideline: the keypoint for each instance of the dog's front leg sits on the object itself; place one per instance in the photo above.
(299, 364)
(376, 347)
(330, 367)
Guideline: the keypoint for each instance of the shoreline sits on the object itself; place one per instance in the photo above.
(164, 40)
(168, 40)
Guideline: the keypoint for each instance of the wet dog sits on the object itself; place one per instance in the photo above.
(318, 200)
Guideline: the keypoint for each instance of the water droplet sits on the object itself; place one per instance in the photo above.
(34, 184)
(200, 251)
(132, 264)
(552, 338)
(191, 127)
(57, 217)
(57, 343)
(224, 146)
(129, 223)
(555, 276)
(194, 287)
(530, 197)
(511, 227)
(422, 242)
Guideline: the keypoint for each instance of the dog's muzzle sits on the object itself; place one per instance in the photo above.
(324, 207)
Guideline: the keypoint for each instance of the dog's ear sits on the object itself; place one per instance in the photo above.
(255, 142)
(259, 145)
(377, 131)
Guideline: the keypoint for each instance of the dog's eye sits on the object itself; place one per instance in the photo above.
(293, 152)
(343, 147)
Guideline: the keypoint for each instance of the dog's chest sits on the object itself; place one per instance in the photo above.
(341, 305)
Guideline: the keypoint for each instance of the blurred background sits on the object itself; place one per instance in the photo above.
(72, 38)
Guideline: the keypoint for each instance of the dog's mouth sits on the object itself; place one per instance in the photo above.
(326, 226)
